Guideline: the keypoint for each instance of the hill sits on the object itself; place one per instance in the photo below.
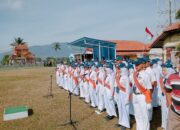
(44, 51)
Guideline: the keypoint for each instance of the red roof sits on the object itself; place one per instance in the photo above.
(173, 26)
(131, 53)
(169, 30)
(89, 49)
(124, 45)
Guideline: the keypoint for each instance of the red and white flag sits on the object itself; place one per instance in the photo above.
(148, 32)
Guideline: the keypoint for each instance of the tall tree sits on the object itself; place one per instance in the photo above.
(178, 14)
(56, 47)
(18, 41)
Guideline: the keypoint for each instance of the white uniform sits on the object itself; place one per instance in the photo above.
(81, 83)
(70, 78)
(141, 108)
(92, 90)
(123, 99)
(100, 89)
(158, 73)
(86, 86)
(75, 86)
(61, 78)
(108, 95)
(155, 100)
(131, 108)
(66, 78)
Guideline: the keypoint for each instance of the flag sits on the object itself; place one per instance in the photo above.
(149, 34)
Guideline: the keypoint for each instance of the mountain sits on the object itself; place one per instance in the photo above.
(44, 51)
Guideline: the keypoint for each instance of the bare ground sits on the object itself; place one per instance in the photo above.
(28, 86)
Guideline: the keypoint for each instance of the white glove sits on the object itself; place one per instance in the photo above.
(149, 106)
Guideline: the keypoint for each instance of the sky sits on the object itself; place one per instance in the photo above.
(41, 22)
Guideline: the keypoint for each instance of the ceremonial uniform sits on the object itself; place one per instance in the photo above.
(109, 93)
(101, 89)
(141, 98)
(81, 82)
(92, 87)
(123, 94)
(86, 85)
(75, 84)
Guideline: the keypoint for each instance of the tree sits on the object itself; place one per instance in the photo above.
(178, 14)
(56, 47)
(5, 60)
(18, 41)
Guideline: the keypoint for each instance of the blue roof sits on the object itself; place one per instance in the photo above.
(92, 43)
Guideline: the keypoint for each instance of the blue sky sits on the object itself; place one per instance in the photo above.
(41, 22)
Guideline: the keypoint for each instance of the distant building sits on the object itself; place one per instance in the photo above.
(109, 49)
(22, 55)
(130, 49)
(167, 41)
(87, 55)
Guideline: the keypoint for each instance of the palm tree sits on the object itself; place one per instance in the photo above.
(178, 14)
(56, 47)
(18, 41)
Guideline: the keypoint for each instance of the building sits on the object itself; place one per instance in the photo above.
(22, 55)
(109, 49)
(86, 55)
(101, 49)
(167, 42)
(130, 49)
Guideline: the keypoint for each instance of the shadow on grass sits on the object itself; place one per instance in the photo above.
(30, 112)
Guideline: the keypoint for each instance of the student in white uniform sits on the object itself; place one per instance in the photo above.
(151, 74)
(81, 82)
(131, 70)
(167, 70)
(100, 86)
(123, 84)
(86, 83)
(109, 92)
(92, 85)
(141, 97)
(75, 84)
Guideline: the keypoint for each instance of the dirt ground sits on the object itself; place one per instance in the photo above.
(28, 86)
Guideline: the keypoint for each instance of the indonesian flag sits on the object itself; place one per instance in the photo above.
(149, 34)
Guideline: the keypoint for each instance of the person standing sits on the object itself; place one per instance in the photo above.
(92, 85)
(109, 92)
(123, 85)
(172, 87)
(141, 96)
(100, 86)
(81, 82)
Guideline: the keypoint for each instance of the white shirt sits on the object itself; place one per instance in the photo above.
(143, 79)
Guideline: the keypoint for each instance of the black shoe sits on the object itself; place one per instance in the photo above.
(109, 117)
(103, 110)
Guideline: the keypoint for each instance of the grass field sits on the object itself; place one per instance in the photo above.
(28, 86)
